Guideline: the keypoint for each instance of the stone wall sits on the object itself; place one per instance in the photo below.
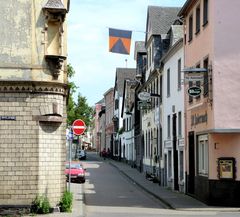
(32, 146)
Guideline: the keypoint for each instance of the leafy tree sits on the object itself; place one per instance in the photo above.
(72, 89)
(80, 109)
(83, 110)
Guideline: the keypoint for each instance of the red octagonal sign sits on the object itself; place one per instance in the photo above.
(78, 127)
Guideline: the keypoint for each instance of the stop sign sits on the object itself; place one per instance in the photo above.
(78, 127)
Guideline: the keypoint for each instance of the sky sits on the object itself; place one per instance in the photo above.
(88, 23)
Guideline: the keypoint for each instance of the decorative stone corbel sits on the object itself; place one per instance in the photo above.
(55, 63)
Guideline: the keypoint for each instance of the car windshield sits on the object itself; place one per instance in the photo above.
(73, 166)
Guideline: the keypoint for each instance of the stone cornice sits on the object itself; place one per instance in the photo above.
(33, 87)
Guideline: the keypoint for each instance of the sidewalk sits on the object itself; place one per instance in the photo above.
(171, 199)
(78, 209)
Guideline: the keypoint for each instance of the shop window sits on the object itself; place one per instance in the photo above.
(203, 155)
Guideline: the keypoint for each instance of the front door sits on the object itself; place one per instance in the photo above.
(191, 163)
(175, 152)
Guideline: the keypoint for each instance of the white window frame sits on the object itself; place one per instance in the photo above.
(203, 153)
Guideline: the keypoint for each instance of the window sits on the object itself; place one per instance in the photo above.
(203, 155)
(168, 126)
(205, 78)
(190, 99)
(181, 173)
(168, 82)
(205, 12)
(150, 57)
(198, 83)
(179, 123)
(179, 74)
(161, 91)
(198, 19)
(169, 164)
(152, 54)
(116, 104)
(157, 88)
(190, 28)
(146, 144)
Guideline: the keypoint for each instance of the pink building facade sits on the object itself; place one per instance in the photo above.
(96, 132)
(213, 118)
(108, 97)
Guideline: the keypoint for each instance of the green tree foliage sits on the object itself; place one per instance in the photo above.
(83, 110)
(79, 109)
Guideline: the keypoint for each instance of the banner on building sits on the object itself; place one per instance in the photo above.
(119, 41)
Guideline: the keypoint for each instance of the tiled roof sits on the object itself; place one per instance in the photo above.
(121, 75)
(161, 18)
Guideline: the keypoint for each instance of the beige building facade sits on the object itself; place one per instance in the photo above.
(33, 90)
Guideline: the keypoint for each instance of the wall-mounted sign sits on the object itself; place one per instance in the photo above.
(144, 96)
(226, 168)
(8, 118)
(194, 91)
(199, 119)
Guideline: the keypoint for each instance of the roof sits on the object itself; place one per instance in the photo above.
(159, 19)
(54, 4)
(187, 5)
(121, 75)
(102, 101)
(139, 48)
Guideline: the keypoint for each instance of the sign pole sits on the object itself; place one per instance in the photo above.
(70, 159)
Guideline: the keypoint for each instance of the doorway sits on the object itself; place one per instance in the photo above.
(175, 152)
(191, 162)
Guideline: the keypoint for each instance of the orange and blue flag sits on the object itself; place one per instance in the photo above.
(119, 41)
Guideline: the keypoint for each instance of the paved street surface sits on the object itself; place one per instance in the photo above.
(108, 192)
(114, 189)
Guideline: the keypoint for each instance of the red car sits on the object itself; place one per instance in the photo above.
(77, 172)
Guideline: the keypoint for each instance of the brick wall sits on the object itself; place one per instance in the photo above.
(32, 152)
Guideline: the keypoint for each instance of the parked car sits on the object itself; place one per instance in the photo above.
(81, 154)
(77, 172)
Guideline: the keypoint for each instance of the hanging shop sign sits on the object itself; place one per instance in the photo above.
(144, 105)
(144, 96)
(194, 91)
(194, 78)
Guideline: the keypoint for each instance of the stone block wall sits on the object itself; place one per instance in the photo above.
(32, 148)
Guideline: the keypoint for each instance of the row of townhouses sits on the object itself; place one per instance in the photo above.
(175, 117)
